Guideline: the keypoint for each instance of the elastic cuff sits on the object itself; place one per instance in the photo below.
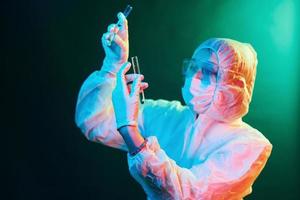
(110, 67)
(139, 148)
(110, 72)
(126, 123)
(150, 149)
(107, 74)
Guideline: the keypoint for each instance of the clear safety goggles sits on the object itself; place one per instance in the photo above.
(190, 68)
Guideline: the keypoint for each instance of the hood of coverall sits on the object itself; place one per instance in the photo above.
(228, 96)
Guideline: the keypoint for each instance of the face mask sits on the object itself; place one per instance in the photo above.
(198, 90)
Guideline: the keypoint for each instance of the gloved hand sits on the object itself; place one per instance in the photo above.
(117, 53)
(126, 98)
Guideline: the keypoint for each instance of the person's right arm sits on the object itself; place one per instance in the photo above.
(94, 113)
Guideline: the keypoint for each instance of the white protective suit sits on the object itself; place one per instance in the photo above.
(214, 156)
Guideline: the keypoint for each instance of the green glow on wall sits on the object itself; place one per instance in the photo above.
(283, 24)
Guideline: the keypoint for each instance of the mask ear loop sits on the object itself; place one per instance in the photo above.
(218, 77)
(218, 65)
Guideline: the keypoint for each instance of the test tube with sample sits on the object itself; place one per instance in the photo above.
(136, 70)
(126, 12)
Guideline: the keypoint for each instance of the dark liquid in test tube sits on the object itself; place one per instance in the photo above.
(136, 70)
(127, 10)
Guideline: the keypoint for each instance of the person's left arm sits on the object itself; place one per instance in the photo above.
(228, 173)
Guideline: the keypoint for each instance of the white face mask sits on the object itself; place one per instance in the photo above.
(198, 90)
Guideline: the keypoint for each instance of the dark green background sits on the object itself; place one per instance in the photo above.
(50, 47)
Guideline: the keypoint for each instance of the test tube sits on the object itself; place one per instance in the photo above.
(126, 12)
(136, 70)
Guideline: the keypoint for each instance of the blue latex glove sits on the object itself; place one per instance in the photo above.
(125, 97)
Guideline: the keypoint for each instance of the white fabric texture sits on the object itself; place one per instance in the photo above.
(213, 157)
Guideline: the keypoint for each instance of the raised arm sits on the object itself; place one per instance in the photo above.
(94, 111)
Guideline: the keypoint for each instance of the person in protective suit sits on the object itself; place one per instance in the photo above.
(201, 150)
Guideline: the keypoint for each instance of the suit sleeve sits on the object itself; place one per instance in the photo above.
(227, 173)
(95, 115)
(94, 110)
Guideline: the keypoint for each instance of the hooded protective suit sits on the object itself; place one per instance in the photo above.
(200, 151)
